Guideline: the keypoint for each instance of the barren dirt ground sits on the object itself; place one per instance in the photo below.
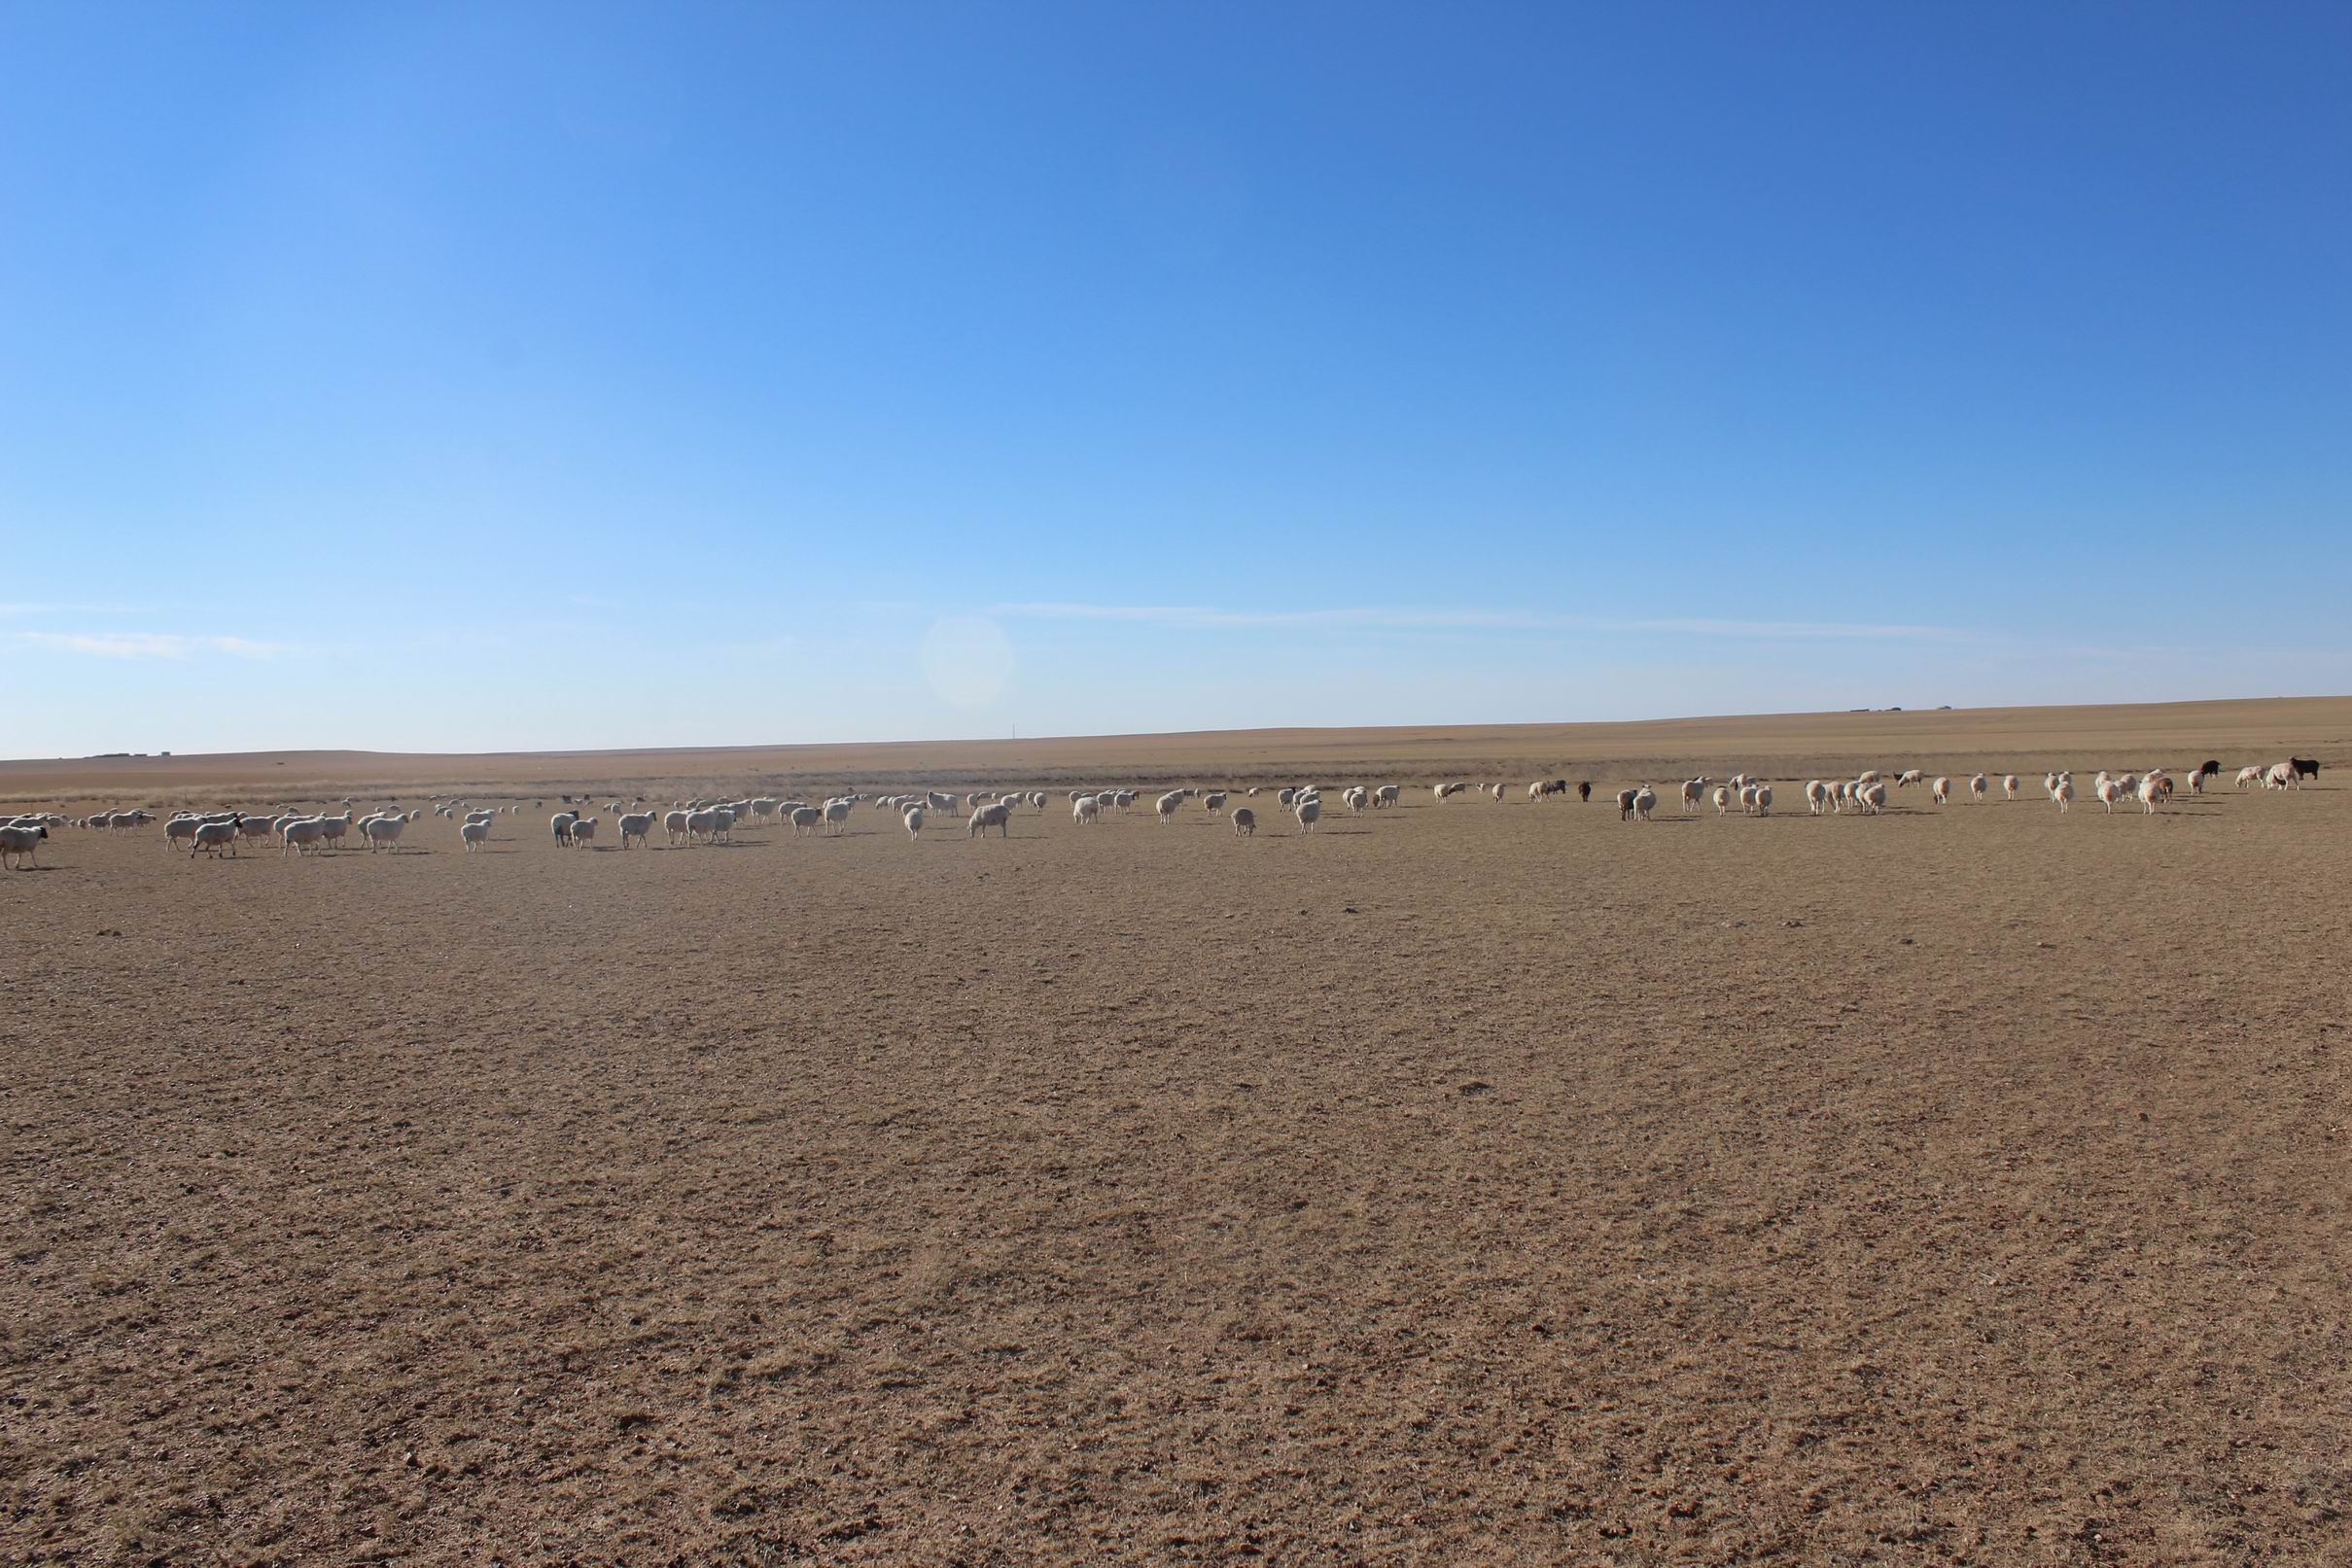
(1470, 1183)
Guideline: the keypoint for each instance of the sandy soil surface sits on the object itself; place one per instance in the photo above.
(1468, 1183)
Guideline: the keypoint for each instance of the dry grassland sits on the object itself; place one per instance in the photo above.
(1478, 1183)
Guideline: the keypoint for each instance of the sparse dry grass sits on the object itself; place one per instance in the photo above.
(1474, 1183)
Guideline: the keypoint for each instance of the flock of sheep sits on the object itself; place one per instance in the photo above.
(712, 822)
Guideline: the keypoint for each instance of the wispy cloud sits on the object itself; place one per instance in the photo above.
(151, 644)
(1202, 617)
(13, 610)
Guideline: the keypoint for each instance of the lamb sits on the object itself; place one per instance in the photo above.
(996, 816)
(475, 835)
(1245, 823)
(22, 842)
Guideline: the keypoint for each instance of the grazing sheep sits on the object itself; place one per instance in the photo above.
(1245, 823)
(1356, 800)
(23, 843)
(1385, 796)
(1087, 810)
(996, 816)
(1908, 776)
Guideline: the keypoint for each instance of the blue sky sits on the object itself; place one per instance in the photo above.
(479, 377)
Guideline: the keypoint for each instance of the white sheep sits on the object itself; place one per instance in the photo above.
(1214, 802)
(1387, 796)
(1245, 823)
(996, 816)
(1721, 795)
(2249, 775)
(639, 826)
(582, 831)
(1307, 812)
(806, 819)
(837, 814)
(383, 832)
(1764, 800)
(1976, 789)
(23, 843)
(1168, 803)
(1941, 791)
(2009, 787)
(1087, 810)
(2062, 792)
(215, 836)
(1816, 797)
(475, 835)
(1645, 801)
(914, 822)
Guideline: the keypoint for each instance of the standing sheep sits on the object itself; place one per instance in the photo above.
(1245, 822)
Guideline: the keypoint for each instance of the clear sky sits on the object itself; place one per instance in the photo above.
(481, 377)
